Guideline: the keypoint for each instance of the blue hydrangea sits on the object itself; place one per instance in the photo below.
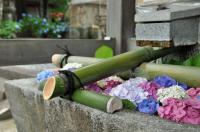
(148, 106)
(45, 75)
(29, 15)
(183, 86)
(44, 21)
(166, 81)
(198, 97)
(23, 14)
(17, 26)
(36, 22)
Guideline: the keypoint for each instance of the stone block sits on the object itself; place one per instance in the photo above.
(177, 32)
(175, 25)
(32, 114)
(174, 11)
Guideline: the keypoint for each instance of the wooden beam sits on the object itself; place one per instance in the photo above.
(120, 22)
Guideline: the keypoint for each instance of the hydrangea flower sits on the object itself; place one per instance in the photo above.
(110, 82)
(104, 85)
(45, 75)
(93, 87)
(166, 81)
(183, 85)
(148, 106)
(130, 90)
(72, 66)
(171, 92)
(193, 92)
(23, 14)
(184, 111)
(151, 88)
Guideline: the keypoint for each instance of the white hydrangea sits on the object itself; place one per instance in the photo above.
(171, 92)
(72, 66)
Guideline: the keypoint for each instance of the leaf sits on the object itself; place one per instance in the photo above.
(193, 61)
(127, 104)
(104, 52)
(188, 62)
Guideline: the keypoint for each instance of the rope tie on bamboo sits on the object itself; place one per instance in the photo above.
(70, 78)
(65, 58)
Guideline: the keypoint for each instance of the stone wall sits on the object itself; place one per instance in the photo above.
(87, 19)
(9, 10)
(35, 51)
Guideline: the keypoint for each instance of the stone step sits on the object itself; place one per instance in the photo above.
(5, 112)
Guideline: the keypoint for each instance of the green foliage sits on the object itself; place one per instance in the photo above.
(128, 104)
(104, 52)
(62, 5)
(41, 27)
(192, 61)
(8, 29)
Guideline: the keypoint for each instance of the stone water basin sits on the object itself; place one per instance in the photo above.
(32, 114)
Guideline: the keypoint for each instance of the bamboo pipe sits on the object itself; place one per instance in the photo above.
(186, 74)
(108, 67)
(85, 61)
(102, 102)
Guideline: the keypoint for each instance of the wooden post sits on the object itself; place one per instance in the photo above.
(120, 22)
(20, 7)
(44, 7)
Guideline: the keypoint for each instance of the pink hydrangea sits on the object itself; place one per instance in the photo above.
(110, 82)
(151, 88)
(193, 92)
(183, 111)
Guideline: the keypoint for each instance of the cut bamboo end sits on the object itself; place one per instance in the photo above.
(114, 104)
(49, 88)
(56, 59)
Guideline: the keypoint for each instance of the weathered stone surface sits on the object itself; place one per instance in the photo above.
(37, 51)
(173, 12)
(23, 71)
(26, 106)
(32, 114)
(153, 31)
(178, 32)
(5, 110)
(2, 89)
(85, 15)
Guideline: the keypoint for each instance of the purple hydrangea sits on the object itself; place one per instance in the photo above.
(131, 90)
(93, 87)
